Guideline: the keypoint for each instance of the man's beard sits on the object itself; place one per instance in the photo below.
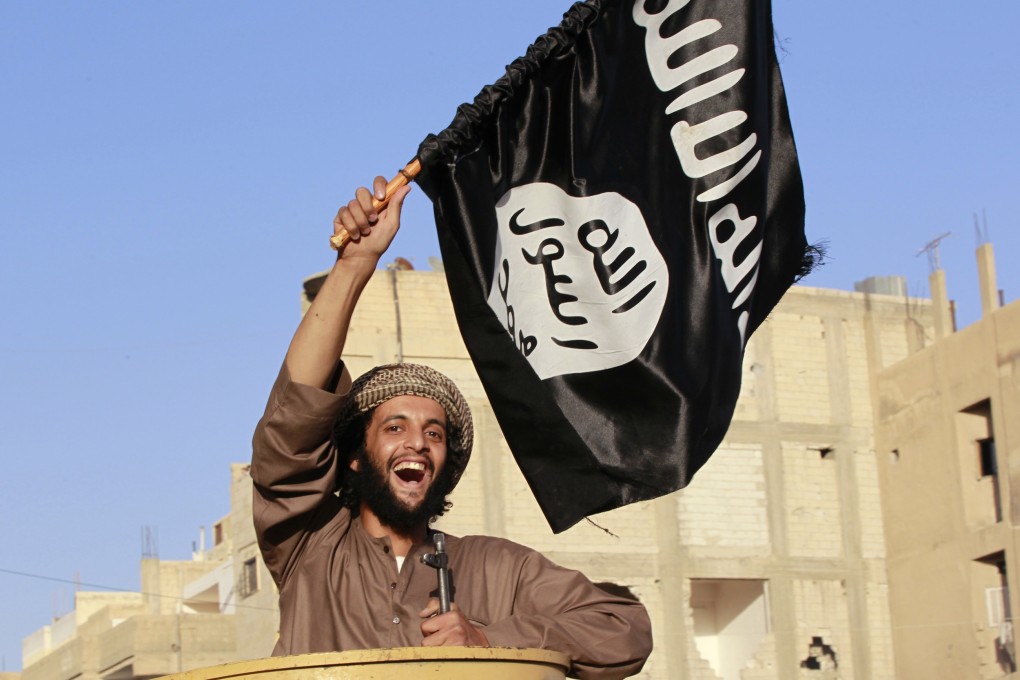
(373, 489)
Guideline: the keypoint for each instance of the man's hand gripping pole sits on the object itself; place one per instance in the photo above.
(408, 173)
(439, 561)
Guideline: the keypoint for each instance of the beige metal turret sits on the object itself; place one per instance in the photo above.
(401, 663)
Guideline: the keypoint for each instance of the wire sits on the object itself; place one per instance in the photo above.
(41, 577)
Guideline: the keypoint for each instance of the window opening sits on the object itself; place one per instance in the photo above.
(730, 621)
(249, 584)
(995, 644)
(979, 465)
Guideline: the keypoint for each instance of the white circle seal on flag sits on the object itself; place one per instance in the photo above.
(579, 283)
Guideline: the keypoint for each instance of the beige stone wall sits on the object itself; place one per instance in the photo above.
(941, 533)
(257, 616)
(802, 368)
(812, 502)
(736, 474)
(768, 507)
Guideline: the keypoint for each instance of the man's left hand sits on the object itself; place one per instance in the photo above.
(449, 629)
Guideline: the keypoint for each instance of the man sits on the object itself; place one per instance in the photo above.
(348, 477)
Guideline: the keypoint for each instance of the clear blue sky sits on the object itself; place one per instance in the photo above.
(169, 172)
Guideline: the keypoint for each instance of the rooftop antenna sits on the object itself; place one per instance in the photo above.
(932, 249)
(150, 542)
(981, 230)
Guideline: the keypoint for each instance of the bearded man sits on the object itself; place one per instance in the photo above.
(349, 475)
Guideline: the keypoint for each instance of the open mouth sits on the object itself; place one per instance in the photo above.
(412, 472)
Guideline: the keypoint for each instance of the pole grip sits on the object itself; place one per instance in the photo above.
(408, 173)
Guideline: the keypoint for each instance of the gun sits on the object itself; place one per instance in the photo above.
(440, 562)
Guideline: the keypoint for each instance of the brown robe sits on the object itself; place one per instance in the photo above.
(340, 588)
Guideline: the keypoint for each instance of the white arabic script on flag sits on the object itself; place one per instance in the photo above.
(579, 283)
(668, 77)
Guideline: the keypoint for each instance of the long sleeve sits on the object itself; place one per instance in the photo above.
(525, 600)
(294, 467)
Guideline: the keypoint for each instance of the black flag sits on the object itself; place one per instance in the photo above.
(616, 215)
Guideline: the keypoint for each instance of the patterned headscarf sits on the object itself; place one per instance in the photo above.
(382, 383)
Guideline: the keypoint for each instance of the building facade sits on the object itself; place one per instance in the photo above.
(773, 564)
(948, 444)
(212, 609)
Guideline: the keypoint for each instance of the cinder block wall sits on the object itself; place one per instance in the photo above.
(791, 498)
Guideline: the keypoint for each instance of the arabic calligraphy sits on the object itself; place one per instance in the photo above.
(579, 283)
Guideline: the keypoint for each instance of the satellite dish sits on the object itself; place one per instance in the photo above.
(436, 264)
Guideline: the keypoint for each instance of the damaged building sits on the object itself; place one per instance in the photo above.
(856, 523)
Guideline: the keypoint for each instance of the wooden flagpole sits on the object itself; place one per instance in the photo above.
(408, 173)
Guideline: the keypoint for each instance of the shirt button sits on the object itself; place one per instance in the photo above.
(393, 586)
(396, 619)
(386, 548)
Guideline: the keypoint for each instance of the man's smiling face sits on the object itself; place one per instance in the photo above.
(405, 455)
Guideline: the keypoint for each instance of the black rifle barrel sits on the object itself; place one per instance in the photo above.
(439, 561)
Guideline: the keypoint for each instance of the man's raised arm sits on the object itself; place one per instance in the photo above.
(319, 340)
(293, 465)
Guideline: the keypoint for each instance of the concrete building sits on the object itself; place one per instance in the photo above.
(189, 614)
(948, 444)
(773, 564)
